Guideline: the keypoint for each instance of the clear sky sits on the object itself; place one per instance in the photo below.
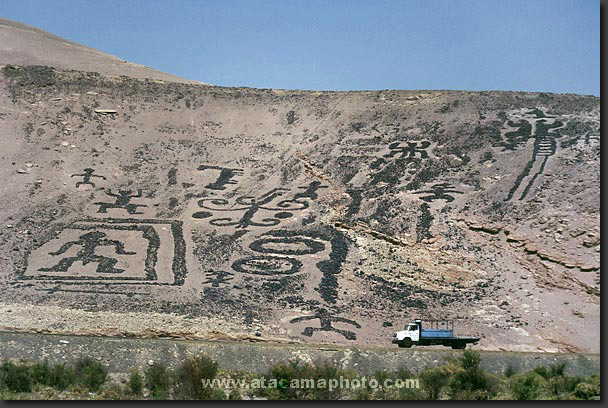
(522, 45)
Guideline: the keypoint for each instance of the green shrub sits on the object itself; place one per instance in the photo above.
(433, 380)
(90, 373)
(472, 384)
(406, 393)
(542, 371)
(217, 394)
(561, 386)
(528, 386)
(588, 389)
(61, 377)
(363, 394)
(41, 373)
(112, 391)
(235, 394)
(136, 383)
(404, 374)
(15, 378)
(585, 391)
(271, 394)
(556, 370)
(411, 394)
(321, 373)
(286, 372)
(510, 371)
(158, 380)
(470, 359)
(558, 385)
(190, 375)
(381, 376)
(324, 371)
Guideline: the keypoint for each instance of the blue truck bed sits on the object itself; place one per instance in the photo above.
(437, 333)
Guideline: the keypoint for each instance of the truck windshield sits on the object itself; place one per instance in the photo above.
(413, 327)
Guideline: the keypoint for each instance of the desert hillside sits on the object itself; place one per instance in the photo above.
(26, 45)
(133, 203)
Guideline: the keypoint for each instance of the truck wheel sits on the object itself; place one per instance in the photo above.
(407, 343)
(459, 346)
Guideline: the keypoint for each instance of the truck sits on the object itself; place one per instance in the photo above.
(415, 334)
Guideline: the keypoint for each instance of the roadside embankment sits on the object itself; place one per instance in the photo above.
(121, 354)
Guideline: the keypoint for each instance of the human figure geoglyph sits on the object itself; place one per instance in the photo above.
(89, 243)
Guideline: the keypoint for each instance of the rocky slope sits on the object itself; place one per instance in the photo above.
(134, 206)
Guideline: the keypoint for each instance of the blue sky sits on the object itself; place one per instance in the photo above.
(522, 45)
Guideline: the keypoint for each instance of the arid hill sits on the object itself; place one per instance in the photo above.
(21, 44)
(164, 208)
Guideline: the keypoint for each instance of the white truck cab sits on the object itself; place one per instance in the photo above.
(411, 331)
